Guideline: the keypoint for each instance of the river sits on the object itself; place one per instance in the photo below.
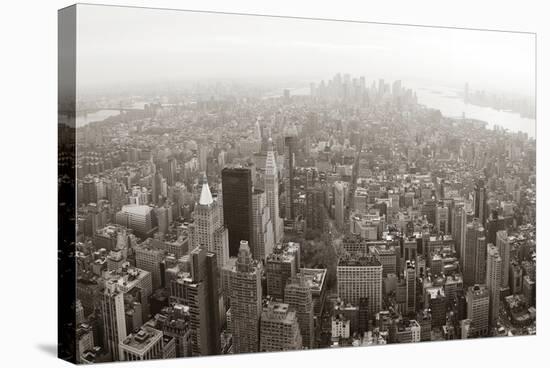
(99, 115)
(444, 99)
(450, 104)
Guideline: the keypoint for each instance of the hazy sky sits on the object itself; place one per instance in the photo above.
(118, 46)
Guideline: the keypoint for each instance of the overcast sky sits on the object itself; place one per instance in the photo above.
(118, 46)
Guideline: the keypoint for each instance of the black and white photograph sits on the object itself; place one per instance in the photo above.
(231, 183)
(296, 184)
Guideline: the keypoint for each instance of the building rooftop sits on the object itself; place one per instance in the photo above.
(135, 209)
(314, 277)
(142, 340)
(359, 261)
(275, 311)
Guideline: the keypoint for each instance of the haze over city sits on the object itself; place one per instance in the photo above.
(119, 46)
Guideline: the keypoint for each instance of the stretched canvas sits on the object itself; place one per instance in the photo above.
(233, 183)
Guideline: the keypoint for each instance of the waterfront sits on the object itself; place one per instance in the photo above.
(450, 104)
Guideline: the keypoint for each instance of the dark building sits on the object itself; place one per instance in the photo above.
(496, 223)
(474, 253)
(315, 218)
(428, 209)
(437, 305)
(169, 170)
(291, 143)
(237, 206)
(213, 296)
(198, 289)
(480, 200)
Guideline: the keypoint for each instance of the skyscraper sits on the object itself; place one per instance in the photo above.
(208, 229)
(279, 329)
(494, 276)
(480, 201)
(262, 227)
(459, 228)
(271, 184)
(481, 260)
(169, 170)
(360, 277)
(315, 215)
(281, 266)
(442, 219)
(237, 206)
(114, 319)
(194, 283)
(475, 239)
(477, 305)
(291, 142)
(503, 246)
(245, 293)
(149, 258)
(339, 203)
(410, 284)
(146, 344)
(202, 154)
(298, 296)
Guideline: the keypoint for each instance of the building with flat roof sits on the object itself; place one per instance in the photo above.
(315, 278)
(237, 206)
(280, 267)
(493, 281)
(474, 247)
(245, 294)
(194, 283)
(405, 330)
(477, 305)
(146, 344)
(298, 296)
(175, 322)
(279, 329)
(360, 277)
(139, 218)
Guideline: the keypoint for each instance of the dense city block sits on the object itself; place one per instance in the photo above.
(224, 218)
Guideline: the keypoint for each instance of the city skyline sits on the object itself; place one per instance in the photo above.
(358, 209)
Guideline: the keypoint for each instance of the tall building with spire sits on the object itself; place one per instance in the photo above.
(340, 190)
(208, 230)
(261, 226)
(245, 293)
(272, 193)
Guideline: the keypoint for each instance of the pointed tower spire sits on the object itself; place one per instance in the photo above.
(206, 197)
(270, 163)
